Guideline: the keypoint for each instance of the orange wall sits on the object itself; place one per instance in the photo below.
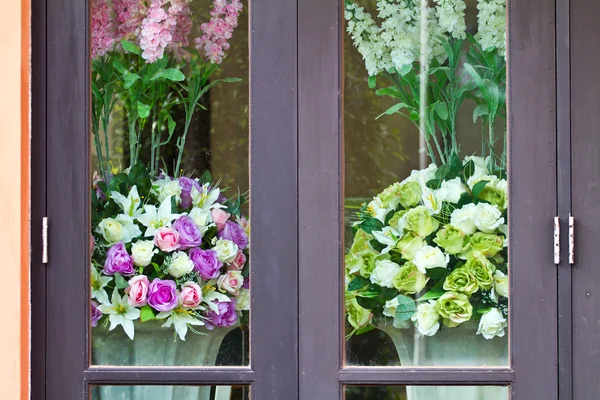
(14, 199)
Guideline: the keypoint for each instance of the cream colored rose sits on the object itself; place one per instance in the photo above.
(226, 250)
(384, 273)
(242, 301)
(167, 189)
(487, 218)
(463, 219)
(180, 265)
(142, 252)
(501, 283)
(119, 229)
(428, 257)
(426, 319)
(492, 324)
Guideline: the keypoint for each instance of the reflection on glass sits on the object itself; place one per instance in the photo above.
(426, 392)
(426, 266)
(170, 234)
(170, 392)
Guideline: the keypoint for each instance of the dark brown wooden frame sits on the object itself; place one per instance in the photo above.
(61, 102)
(533, 329)
(296, 180)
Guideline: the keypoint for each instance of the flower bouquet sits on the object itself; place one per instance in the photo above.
(428, 263)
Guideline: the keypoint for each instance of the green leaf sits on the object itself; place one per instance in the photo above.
(442, 110)
(119, 183)
(393, 109)
(131, 47)
(171, 74)
(364, 329)
(120, 282)
(391, 91)
(434, 184)
(406, 308)
(437, 273)
(480, 111)
(146, 314)
(371, 224)
(478, 188)
(414, 115)
(119, 67)
(97, 93)
(442, 172)
(143, 110)
(206, 177)
(367, 303)
(129, 78)
(372, 82)
(405, 69)
(171, 124)
(358, 283)
(139, 176)
(431, 295)
(469, 169)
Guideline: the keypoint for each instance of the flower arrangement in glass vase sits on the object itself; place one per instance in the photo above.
(430, 251)
(165, 246)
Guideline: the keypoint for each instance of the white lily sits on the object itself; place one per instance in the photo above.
(388, 236)
(154, 218)
(120, 312)
(179, 318)
(99, 282)
(210, 297)
(130, 204)
(205, 197)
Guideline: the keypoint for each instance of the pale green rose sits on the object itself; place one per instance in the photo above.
(463, 218)
(390, 197)
(482, 269)
(398, 221)
(501, 283)
(454, 308)
(492, 324)
(461, 280)
(168, 189)
(409, 280)
(409, 245)
(410, 194)
(487, 217)
(226, 250)
(364, 262)
(384, 273)
(487, 244)
(358, 317)
(428, 257)
(361, 242)
(427, 318)
(451, 239)
(180, 265)
(242, 301)
(142, 252)
(496, 194)
(119, 229)
(420, 221)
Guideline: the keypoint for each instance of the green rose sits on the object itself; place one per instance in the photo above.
(461, 280)
(410, 280)
(394, 221)
(364, 262)
(450, 239)
(361, 242)
(410, 194)
(390, 197)
(409, 245)
(358, 317)
(487, 244)
(420, 221)
(495, 194)
(454, 308)
(482, 269)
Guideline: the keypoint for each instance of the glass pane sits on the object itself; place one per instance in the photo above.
(170, 392)
(426, 267)
(169, 143)
(426, 392)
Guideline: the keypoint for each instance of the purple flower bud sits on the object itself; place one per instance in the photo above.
(186, 185)
(232, 231)
(95, 314)
(118, 260)
(227, 316)
(162, 295)
(206, 263)
(189, 233)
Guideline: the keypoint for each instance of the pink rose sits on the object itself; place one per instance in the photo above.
(167, 239)
(238, 262)
(138, 290)
(231, 282)
(191, 295)
(220, 217)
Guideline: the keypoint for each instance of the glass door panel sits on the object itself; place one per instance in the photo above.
(170, 230)
(426, 193)
(425, 392)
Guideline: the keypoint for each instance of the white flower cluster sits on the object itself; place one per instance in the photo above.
(451, 17)
(492, 25)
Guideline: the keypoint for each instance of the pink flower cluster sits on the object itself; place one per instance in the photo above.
(103, 39)
(156, 32)
(129, 14)
(219, 29)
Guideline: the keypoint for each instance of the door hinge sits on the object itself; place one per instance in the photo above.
(556, 240)
(45, 240)
(571, 239)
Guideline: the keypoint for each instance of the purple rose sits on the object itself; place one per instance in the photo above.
(118, 260)
(246, 284)
(162, 295)
(189, 233)
(232, 231)
(96, 314)
(186, 185)
(206, 263)
(227, 315)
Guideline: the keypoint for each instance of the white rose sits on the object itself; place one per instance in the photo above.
(480, 168)
(426, 319)
(226, 250)
(170, 188)
(463, 219)
(492, 324)
(384, 273)
(202, 218)
(242, 301)
(487, 217)
(119, 229)
(180, 265)
(428, 257)
(452, 190)
(142, 252)
(501, 283)
(390, 311)
(421, 176)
